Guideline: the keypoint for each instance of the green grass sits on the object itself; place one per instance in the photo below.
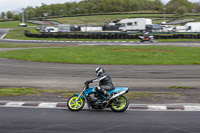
(152, 95)
(127, 55)
(17, 91)
(137, 95)
(32, 91)
(12, 24)
(12, 45)
(8, 92)
(181, 87)
(18, 33)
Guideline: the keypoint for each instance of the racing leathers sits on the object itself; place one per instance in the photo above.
(105, 83)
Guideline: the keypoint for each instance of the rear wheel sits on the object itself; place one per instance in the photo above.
(75, 106)
(120, 104)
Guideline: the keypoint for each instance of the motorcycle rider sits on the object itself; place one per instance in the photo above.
(146, 36)
(105, 82)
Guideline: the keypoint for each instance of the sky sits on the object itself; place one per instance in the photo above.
(17, 5)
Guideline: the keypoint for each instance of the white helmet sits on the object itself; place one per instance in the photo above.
(99, 70)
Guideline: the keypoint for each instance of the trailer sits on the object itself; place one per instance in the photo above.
(180, 29)
(91, 28)
(135, 24)
(64, 28)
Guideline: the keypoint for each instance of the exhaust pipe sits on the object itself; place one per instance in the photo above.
(115, 96)
(118, 94)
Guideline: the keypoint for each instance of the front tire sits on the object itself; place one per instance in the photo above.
(120, 104)
(75, 106)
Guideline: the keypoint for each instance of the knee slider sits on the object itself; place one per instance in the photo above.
(98, 88)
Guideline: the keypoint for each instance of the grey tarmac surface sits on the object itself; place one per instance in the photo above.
(3, 32)
(24, 120)
(131, 107)
(72, 76)
(140, 78)
(103, 43)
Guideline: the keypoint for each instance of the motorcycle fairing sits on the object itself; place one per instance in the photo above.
(78, 95)
(118, 89)
(115, 90)
(89, 90)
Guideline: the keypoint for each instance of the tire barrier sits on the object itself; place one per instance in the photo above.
(79, 35)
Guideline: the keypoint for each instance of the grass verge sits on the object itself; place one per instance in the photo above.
(32, 91)
(13, 45)
(18, 91)
(8, 92)
(152, 95)
(122, 55)
(12, 24)
(181, 87)
(138, 96)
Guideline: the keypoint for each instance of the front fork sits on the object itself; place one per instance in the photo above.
(80, 94)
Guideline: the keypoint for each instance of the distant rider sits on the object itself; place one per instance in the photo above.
(105, 82)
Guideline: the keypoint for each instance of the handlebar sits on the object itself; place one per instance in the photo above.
(86, 86)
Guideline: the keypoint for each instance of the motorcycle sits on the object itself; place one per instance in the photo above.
(147, 37)
(96, 100)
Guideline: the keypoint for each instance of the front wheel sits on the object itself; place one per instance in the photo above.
(75, 106)
(120, 104)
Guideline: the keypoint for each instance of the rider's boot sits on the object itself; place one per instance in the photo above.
(108, 96)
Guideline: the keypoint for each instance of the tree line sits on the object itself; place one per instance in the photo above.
(86, 7)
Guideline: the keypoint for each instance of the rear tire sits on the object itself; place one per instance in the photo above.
(75, 106)
(121, 106)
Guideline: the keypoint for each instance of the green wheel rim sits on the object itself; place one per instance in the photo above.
(75, 105)
(121, 105)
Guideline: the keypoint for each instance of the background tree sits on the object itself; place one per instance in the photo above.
(93, 6)
(3, 15)
(9, 15)
(182, 10)
(17, 17)
(30, 12)
(174, 5)
(197, 7)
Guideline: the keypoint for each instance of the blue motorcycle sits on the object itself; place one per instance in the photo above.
(96, 100)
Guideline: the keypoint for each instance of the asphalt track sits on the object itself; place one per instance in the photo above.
(26, 120)
(3, 32)
(72, 76)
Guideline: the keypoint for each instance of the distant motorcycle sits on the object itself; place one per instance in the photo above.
(96, 100)
(146, 37)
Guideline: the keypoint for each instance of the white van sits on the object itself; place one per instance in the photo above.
(192, 27)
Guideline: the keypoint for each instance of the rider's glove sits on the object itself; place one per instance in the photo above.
(88, 82)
